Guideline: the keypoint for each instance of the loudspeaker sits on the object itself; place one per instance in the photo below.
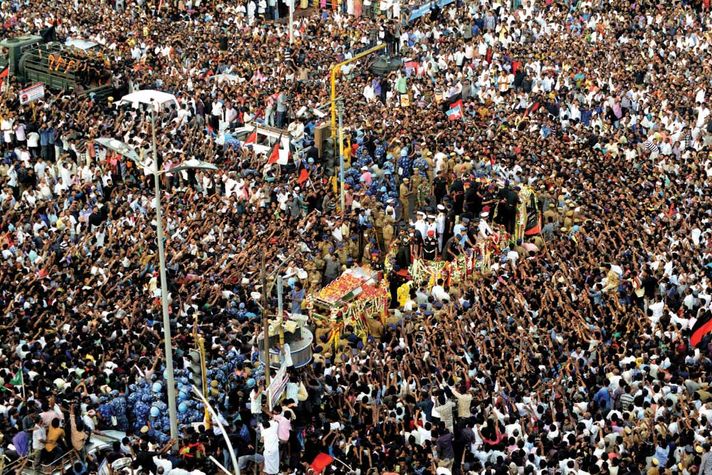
(382, 65)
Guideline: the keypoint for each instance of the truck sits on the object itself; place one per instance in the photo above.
(30, 59)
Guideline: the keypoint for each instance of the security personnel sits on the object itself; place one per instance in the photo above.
(551, 213)
(430, 246)
(405, 192)
(388, 231)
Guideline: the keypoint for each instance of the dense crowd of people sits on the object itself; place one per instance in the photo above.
(569, 353)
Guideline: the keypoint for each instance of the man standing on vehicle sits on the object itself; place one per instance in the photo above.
(282, 106)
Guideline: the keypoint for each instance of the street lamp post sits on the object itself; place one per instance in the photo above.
(127, 151)
(342, 198)
(333, 73)
(291, 21)
(167, 340)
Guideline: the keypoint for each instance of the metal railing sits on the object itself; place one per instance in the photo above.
(61, 465)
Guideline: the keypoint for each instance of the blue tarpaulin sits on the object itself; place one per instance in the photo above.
(425, 9)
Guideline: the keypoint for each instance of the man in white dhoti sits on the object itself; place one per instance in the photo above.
(270, 439)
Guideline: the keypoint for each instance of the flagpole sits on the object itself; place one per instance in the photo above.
(343, 463)
(22, 381)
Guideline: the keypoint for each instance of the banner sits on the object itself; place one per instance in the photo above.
(32, 93)
(277, 386)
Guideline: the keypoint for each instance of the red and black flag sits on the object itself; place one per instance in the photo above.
(532, 109)
(533, 226)
(702, 327)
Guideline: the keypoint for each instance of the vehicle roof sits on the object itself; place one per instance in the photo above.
(148, 96)
(81, 43)
(7, 42)
(266, 130)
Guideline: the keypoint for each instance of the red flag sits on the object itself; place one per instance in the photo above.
(274, 156)
(321, 461)
(252, 138)
(4, 75)
(488, 55)
(303, 176)
(515, 66)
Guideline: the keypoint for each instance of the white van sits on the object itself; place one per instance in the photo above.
(150, 97)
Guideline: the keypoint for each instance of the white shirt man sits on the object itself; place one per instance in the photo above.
(230, 114)
(483, 228)
(420, 225)
(700, 96)
(296, 130)
(657, 311)
(7, 126)
(183, 115)
(439, 294)
(20, 132)
(33, 140)
(39, 437)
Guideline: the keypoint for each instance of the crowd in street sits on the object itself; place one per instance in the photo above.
(569, 353)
